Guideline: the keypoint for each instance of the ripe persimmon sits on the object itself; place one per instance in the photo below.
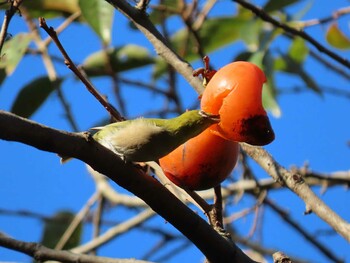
(202, 162)
(235, 93)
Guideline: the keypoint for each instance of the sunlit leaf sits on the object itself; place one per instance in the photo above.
(51, 8)
(99, 15)
(33, 95)
(274, 5)
(265, 62)
(119, 58)
(337, 38)
(13, 51)
(298, 51)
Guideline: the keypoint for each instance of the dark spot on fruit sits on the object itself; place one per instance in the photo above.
(257, 129)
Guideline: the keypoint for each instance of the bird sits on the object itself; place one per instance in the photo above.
(149, 139)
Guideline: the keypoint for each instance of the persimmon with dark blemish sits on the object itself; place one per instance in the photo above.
(235, 93)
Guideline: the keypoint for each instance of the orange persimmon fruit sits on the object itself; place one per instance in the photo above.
(235, 93)
(202, 162)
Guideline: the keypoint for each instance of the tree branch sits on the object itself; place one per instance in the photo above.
(295, 32)
(42, 253)
(9, 13)
(78, 145)
(296, 183)
(142, 22)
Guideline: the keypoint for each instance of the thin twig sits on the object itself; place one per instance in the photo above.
(70, 64)
(149, 87)
(203, 14)
(9, 13)
(330, 66)
(295, 32)
(49, 66)
(115, 231)
(97, 219)
(187, 17)
(319, 21)
(69, 20)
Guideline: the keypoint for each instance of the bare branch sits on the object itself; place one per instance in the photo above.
(295, 32)
(297, 184)
(115, 231)
(9, 13)
(318, 21)
(49, 66)
(42, 253)
(70, 64)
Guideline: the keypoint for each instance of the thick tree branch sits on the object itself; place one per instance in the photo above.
(213, 246)
(42, 253)
(297, 184)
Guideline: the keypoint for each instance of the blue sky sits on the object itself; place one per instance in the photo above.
(312, 128)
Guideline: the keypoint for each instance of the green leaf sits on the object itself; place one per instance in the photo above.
(298, 51)
(274, 5)
(55, 228)
(119, 58)
(13, 51)
(265, 62)
(33, 95)
(51, 8)
(99, 15)
(287, 64)
(337, 38)
(216, 33)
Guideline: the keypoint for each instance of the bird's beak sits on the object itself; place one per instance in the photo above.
(214, 117)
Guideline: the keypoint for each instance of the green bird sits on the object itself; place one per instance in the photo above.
(143, 139)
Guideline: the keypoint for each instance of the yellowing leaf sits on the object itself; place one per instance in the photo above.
(298, 50)
(337, 38)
